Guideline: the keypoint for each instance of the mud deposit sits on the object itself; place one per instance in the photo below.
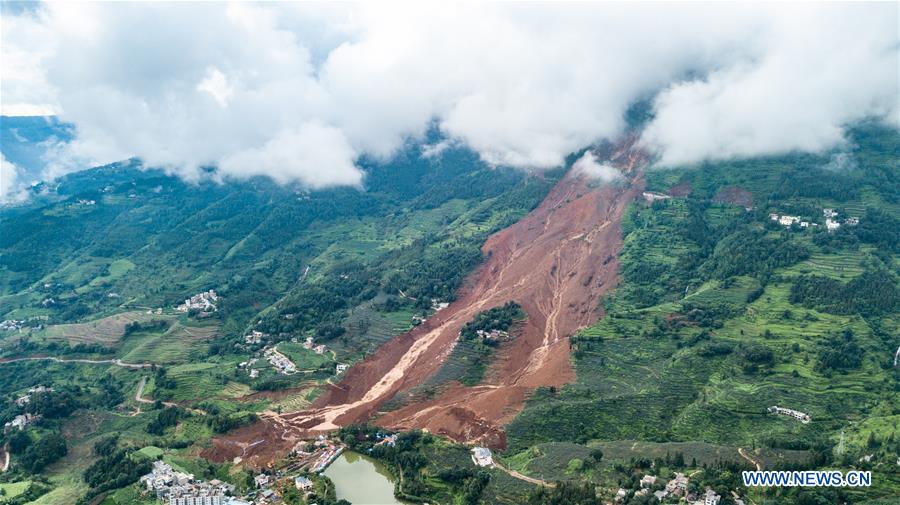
(556, 262)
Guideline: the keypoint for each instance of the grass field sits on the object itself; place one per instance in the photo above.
(13, 489)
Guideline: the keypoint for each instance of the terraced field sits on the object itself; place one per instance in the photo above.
(105, 331)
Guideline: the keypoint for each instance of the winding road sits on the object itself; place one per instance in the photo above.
(116, 362)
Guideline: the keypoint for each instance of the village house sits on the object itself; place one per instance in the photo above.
(652, 197)
(482, 456)
(341, 368)
(851, 221)
(302, 483)
(832, 225)
(648, 480)
(20, 422)
(661, 494)
(678, 485)
(319, 349)
(710, 498)
(829, 213)
(261, 480)
(437, 305)
(309, 343)
(796, 414)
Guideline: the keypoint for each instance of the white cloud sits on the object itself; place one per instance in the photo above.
(822, 69)
(589, 166)
(234, 84)
(314, 154)
(217, 86)
(11, 190)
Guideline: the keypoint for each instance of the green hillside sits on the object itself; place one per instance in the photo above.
(722, 313)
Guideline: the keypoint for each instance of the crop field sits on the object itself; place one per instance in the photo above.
(368, 328)
(173, 345)
(196, 381)
(305, 359)
(105, 331)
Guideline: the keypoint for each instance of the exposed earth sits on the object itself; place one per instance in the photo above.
(556, 263)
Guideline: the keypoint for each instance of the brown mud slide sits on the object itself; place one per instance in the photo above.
(556, 263)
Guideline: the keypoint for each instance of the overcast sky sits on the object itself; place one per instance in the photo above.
(299, 91)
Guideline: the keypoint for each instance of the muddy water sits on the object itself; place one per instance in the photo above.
(361, 480)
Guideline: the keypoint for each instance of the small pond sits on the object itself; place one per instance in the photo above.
(361, 480)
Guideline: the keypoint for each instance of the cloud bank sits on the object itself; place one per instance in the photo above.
(299, 92)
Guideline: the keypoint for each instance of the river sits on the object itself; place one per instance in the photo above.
(361, 480)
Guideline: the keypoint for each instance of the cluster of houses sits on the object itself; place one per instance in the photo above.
(26, 398)
(493, 334)
(12, 325)
(20, 422)
(281, 362)
(179, 488)
(82, 201)
(316, 456)
(830, 215)
(677, 487)
(796, 414)
(482, 456)
(310, 345)
(203, 302)
(254, 337)
(248, 366)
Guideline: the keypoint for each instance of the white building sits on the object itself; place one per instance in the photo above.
(796, 414)
(832, 225)
(261, 480)
(302, 483)
(482, 456)
(648, 480)
(652, 197)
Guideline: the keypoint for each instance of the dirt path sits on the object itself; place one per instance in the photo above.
(751, 460)
(557, 262)
(517, 475)
(139, 397)
(116, 362)
(5, 466)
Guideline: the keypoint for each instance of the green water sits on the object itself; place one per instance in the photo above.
(361, 480)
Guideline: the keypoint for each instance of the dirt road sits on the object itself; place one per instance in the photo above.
(517, 475)
(751, 460)
(116, 362)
